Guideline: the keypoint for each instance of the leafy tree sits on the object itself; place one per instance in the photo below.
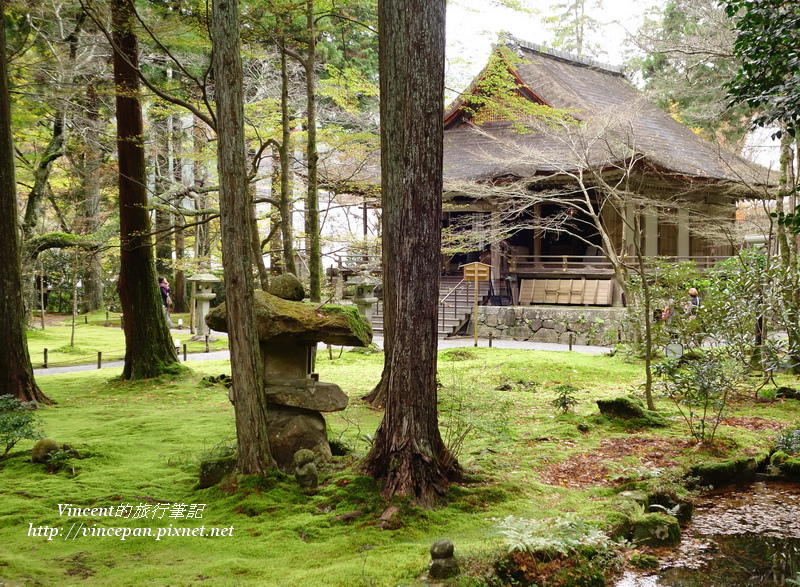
(768, 80)
(768, 47)
(408, 452)
(688, 59)
(572, 26)
(59, 123)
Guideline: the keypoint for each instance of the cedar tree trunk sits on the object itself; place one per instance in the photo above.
(16, 374)
(149, 350)
(408, 452)
(250, 404)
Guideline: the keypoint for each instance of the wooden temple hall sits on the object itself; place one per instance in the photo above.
(554, 164)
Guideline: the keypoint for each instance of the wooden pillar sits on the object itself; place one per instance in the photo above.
(495, 248)
(683, 233)
(537, 234)
(651, 233)
(629, 234)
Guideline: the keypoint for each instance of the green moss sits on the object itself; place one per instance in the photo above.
(788, 465)
(358, 324)
(716, 473)
(142, 442)
(631, 409)
(642, 560)
(656, 530)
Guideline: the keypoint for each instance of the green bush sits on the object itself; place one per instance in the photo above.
(552, 537)
(17, 422)
(788, 441)
(565, 399)
(700, 390)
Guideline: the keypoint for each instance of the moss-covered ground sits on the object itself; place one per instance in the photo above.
(93, 334)
(140, 445)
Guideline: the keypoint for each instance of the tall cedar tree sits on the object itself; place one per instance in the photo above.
(16, 374)
(250, 405)
(149, 350)
(408, 452)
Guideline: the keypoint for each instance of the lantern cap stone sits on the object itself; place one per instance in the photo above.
(363, 279)
(277, 318)
(204, 277)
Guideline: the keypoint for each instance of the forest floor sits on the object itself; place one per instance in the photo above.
(139, 446)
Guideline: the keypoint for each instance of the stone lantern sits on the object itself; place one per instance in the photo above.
(364, 296)
(288, 333)
(202, 293)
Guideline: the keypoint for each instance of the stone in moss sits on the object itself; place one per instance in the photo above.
(778, 457)
(214, 470)
(42, 450)
(287, 287)
(789, 466)
(645, 561)
(627, 406)
(632, 409)
(723, 472)
(656, 530)
(305, 471)
(638, 497)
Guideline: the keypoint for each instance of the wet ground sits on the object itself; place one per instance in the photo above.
(738, 537)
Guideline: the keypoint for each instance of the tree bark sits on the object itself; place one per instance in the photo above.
(275, 244)
(408, 452)
(312, 156)
(149, 350)
(16, 373)
(255, 239)
(253, 454)
(287, 231)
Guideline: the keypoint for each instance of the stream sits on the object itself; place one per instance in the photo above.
(737, 537)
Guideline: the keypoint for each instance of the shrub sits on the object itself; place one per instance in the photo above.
(552, 537)
(700, 390)
(565, 399)
(17, 422)
(788, 441)
(561, 551)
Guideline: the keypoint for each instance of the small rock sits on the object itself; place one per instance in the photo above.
(443, 564)
(42, 449)
(287, 287)
(442, 548)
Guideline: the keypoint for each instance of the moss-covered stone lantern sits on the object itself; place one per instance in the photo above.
(288, 332)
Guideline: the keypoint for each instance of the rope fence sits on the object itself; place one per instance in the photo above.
(107, 356)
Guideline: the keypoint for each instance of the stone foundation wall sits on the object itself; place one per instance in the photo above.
(586, 326)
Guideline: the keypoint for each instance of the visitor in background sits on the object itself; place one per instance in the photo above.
(693, 302)
(166, 300)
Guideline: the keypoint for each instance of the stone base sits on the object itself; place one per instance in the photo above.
(308, 394)
(291, 429)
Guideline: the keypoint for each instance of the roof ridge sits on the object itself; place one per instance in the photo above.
(510, 40)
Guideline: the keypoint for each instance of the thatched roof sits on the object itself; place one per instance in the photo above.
(618, 125)
(610, 108)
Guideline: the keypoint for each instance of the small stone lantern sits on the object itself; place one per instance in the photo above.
(364, 297)
(202, 293)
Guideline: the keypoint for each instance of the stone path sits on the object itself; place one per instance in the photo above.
(444, 343)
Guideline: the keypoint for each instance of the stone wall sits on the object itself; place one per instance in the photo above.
(586, 326)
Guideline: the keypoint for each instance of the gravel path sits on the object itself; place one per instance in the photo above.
(444, 343)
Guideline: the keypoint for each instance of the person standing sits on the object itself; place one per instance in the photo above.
(693, 302)
(166, 300)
